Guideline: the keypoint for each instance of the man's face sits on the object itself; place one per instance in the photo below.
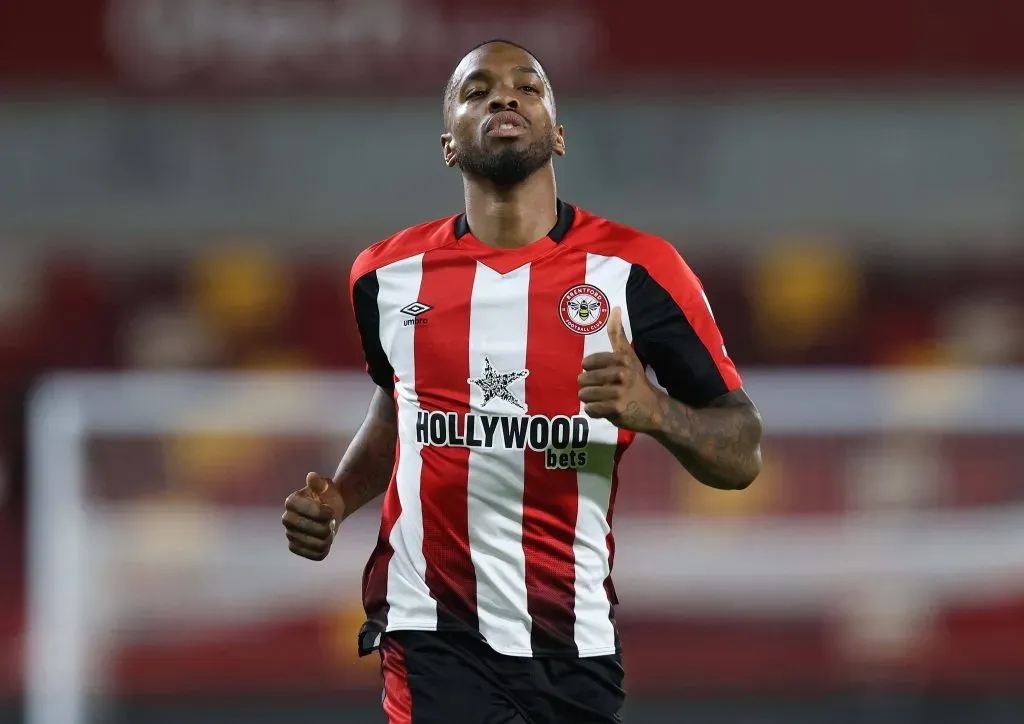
(500, 116)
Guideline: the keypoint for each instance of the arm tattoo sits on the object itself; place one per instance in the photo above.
(718, 444)
(365, 470)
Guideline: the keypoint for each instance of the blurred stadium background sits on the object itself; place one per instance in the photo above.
(184, 183)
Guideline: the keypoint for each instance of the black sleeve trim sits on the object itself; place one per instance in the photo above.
(664, 339)
(364, 301)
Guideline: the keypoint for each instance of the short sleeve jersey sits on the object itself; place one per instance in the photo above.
(498, 517)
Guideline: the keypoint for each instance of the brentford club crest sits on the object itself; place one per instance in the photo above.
(584, 309)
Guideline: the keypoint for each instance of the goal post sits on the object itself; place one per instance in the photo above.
(103, 563)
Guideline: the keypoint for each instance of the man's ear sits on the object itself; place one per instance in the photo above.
(448, 149)
(560, 140)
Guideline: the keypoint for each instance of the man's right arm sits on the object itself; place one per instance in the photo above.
(365, 470)
(312, 513)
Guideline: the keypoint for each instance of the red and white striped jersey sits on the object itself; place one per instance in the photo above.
(498, 517)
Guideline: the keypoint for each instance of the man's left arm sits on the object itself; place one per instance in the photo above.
(720, 445)
(704, 418)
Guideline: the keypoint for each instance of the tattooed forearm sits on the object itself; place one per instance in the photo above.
(720, 445)
(365, 470)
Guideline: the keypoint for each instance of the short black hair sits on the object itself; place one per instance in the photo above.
(449, 88)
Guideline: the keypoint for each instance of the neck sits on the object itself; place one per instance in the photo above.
(512, 217)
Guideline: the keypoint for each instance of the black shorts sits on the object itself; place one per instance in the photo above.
(453, 678)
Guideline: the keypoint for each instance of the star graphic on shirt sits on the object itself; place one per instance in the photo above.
(495, 384)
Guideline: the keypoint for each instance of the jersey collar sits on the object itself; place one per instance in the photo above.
(566, 215)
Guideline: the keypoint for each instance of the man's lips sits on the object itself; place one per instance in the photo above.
(506, 124)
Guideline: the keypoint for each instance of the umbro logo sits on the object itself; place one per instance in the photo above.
(414, 310)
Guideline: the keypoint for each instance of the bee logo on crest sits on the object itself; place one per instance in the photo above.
(584, 309)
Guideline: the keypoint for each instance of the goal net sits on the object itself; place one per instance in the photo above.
(158, 566)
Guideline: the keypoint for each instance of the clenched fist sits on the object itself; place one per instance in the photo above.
(311, 517)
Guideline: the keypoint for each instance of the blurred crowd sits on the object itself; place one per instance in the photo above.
(135, 132)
